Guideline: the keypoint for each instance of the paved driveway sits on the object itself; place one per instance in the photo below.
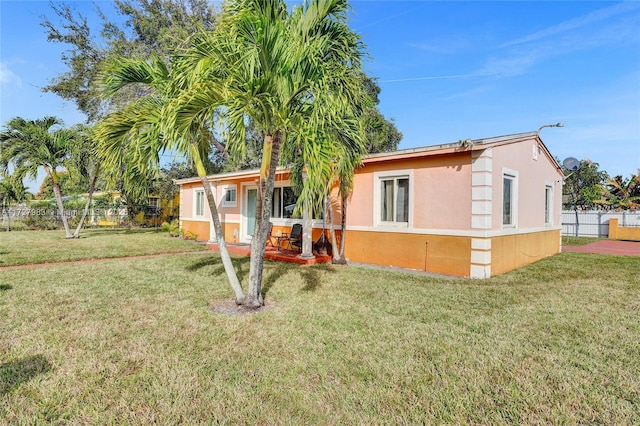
(622, 248)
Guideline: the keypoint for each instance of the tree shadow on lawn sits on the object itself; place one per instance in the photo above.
(98, 232)
(19, 371)
(5, 287)
(273, 271)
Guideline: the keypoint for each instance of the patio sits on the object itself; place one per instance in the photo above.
(272, 254)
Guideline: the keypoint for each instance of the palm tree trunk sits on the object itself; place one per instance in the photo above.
(270, 156)
(332, 231)
(58, 196)
(338, 255)
(92, 188)
(222, 245)
(217, 226)
(5, 210)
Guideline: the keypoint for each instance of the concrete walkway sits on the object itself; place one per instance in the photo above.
(621, 248)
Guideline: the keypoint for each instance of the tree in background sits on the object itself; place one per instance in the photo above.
(382, 135)
(69, 185)
(158, 26)
(11, 190)
(621, 193)
(31, 145)
(582, 187)
(163, 185)
(86, 164)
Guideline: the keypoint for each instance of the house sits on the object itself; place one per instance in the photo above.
(473, 208)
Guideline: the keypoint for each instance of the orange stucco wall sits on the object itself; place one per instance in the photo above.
(199, 228)
(433, 253)
(440, 182)
(512, 251)
(617, 232)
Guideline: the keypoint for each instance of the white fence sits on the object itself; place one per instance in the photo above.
(595, 223)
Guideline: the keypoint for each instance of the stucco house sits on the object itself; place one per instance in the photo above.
(473, 208)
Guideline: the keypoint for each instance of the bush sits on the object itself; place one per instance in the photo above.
(172, 228)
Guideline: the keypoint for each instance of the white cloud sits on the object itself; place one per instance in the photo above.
(557, 41)
(575, 23)
(7, 77)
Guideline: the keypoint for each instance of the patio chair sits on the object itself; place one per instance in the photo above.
(271, 238)
(294, 239)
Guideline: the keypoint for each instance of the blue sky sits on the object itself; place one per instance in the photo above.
(448, 71)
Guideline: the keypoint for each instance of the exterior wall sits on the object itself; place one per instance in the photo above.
(440, 254)
(455, 208)
(199, 228)
(440, 203)
(232, 217)
(509, 252)
(440, 192)
(623, 233)
(532, 177)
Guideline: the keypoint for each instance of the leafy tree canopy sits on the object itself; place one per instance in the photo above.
(158, 26)
(70, 184)
(583, 187)
(621, 193)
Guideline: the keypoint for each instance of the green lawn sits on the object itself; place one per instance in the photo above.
(568, 240)
(134, 342)
(25, 247)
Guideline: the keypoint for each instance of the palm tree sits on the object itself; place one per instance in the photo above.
(621, 193)
(11, 189)
(297, 76)
(130, 140)
(33, 144)
(85, 161)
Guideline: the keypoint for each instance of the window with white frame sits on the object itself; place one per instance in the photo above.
(509, 198)
(548, 205)
(283, 202)
(393, 202)
(198, 209)
(230, 196)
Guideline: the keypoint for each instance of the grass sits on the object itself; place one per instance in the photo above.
(568, 240)
(134, 342)
(28, 247)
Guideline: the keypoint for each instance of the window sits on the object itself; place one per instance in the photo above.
(548, 204)
(199, 203)
(284, 202)
(394, 199)
(509, 198)
(154, 202)
(230, 197)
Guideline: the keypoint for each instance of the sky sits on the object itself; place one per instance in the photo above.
(448, 70)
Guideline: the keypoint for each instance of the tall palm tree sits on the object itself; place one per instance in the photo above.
(130, 140)
(33, 144)
(297, 76)
(84, 160)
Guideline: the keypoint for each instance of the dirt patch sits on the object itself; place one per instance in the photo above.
(229, 307)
